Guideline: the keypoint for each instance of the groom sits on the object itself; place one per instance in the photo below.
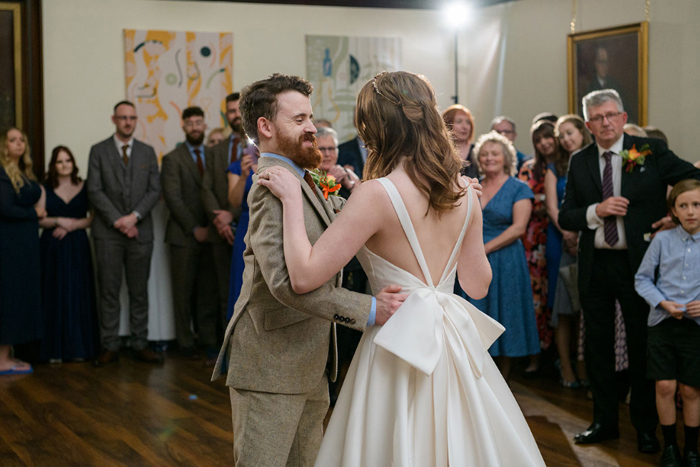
(281, 346)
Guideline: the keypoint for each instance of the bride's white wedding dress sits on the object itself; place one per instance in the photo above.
(422, 390)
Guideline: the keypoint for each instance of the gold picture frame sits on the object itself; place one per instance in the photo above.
(616, 58)
(14, 95)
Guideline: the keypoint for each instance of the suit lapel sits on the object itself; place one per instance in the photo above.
(117, 161)
(187, 160)
(627, 143)
(593, 162)
(321, 208)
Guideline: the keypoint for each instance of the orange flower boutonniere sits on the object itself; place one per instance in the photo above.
(632, 157)
(325, 182)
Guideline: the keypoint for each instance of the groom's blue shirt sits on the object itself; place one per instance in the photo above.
(373, 312)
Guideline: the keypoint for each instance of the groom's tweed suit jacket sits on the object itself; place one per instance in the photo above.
(278, 341)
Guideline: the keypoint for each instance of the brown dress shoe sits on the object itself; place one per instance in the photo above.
(149, 356)
(106, 357)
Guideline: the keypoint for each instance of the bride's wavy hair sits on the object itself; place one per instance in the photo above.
(398, 120)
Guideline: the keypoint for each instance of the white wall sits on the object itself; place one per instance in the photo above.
(535, 70)
(84, 51)
(512, 56)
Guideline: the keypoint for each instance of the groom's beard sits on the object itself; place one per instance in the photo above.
(307, 158)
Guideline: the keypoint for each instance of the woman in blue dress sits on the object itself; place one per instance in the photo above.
(506, 204)
(68, 288)
(240, 179)
(20, 277)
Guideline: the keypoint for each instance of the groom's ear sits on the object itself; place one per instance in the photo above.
(264, 127)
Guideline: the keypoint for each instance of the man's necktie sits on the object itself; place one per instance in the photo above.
(125, 156)
(233, 157)
(200, 165)
(610, 222)
(310, 181)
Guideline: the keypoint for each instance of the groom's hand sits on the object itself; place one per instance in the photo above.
(388, 301)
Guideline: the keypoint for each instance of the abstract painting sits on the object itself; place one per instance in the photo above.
(338, 67)
(167, 71)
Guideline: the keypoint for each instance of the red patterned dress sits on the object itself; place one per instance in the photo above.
(534, 240)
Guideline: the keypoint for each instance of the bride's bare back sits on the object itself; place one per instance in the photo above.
(437, 235)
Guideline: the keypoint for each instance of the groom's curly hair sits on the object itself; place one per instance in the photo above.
(260, 99)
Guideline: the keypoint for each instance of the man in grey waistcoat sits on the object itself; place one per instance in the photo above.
(123, 186)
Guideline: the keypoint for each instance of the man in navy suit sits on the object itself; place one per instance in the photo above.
(616, 205)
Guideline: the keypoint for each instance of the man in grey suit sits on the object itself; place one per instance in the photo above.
(187, 233)
(281, 346)
(123, 186)
(215, 197)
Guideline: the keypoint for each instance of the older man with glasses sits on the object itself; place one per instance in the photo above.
(327, 140)
(617, 201)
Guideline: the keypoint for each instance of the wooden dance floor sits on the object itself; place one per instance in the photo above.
(136, 414)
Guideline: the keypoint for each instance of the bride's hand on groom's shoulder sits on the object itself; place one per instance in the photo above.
(389, 299)
(474, 182)
(281, 182)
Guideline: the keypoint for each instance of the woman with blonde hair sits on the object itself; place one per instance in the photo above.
(422, 389)
(20, 279)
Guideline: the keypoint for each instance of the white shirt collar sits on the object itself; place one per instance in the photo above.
(615, 148)
(121, 143)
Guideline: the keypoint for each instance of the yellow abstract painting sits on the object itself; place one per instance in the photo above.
(167, 71)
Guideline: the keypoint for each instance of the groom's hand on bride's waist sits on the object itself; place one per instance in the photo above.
(389, 299)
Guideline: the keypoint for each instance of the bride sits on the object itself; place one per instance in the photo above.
(422, 389)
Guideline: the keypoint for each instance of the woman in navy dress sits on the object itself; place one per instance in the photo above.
(240, 179)
(69, 307)
(507, 205)
(20, 278)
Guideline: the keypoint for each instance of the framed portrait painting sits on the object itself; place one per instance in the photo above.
(614, 58)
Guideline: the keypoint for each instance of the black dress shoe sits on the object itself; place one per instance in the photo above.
(647, 443)
(691, 459)
(671, 457)
(597, 433)
(149, 356)
(106, 357)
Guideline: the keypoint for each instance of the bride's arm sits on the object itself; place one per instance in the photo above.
(473, 268)
(310, 267)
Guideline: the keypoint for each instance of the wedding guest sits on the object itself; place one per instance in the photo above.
(68, 288)
(240, 180)
(20, 276)
(506, 204)
(321, 123)
(634, 130)
(123, 187)
(669, 280)
(195, 295)
(506, 126)
(653, 132)
(574, 136)
(546, 117)
(352, 154)
(535, 238)
(327, 141)
(561, 246)
(460, 123)
(354, 277)
(215, 137)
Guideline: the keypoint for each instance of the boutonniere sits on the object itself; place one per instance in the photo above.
(632, 157)
(325, 182)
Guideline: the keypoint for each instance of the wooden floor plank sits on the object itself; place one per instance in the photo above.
(132, 413)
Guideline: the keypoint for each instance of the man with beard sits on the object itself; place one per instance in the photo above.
(280, 346)
(214, 194)
(187, 233)
(123, 186)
